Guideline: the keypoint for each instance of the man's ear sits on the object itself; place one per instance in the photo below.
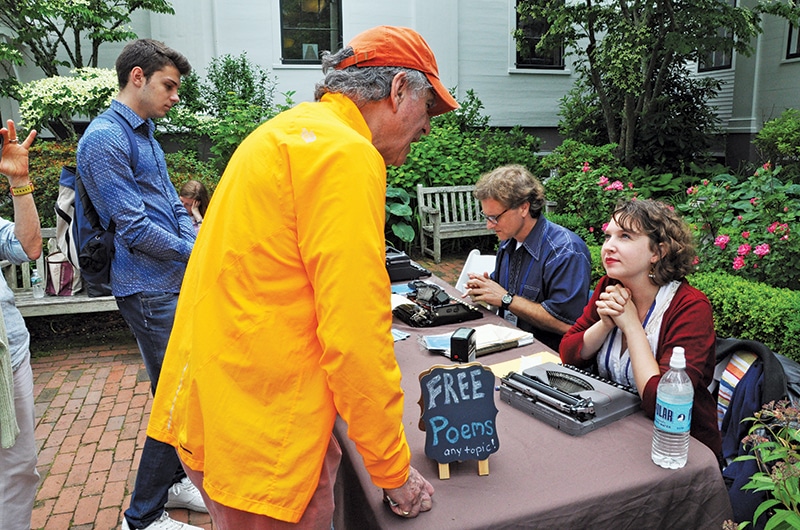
(399, 89)
(136, 77)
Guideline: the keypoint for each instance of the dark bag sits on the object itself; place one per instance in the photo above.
(87, 244)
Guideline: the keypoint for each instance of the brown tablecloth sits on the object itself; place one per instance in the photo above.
(540, 477)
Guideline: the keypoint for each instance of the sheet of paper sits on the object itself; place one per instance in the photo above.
(489, 334)
(399, 335)
(522, 363)
(398, 299)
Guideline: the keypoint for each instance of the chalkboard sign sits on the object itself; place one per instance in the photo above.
(459, 416)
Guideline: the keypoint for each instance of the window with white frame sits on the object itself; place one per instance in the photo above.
(718, 59)
(793, 45)
(528, 57)
(309, 27)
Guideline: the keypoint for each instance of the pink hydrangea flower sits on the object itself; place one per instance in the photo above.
(603, 181)
(692, 190)
(605, 225)
(722, 241)
(739, 217)
(738, 263)
(745, 234)
(630, 185)
(696, 260)
(761, 250)
(767, 166)
(616, 185)
(586, 168)
(753, 201)
(744, 249)
(591, 229)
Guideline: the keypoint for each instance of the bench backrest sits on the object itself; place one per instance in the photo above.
(456, 204)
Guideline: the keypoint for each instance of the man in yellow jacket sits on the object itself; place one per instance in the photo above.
(284, 319)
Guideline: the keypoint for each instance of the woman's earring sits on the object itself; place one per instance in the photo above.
(652, 273)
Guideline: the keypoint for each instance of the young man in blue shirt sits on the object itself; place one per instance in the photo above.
(153, 240)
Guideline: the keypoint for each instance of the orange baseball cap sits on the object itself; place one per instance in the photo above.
(404, 47)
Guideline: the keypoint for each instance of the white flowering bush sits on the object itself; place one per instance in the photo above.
(55, 101)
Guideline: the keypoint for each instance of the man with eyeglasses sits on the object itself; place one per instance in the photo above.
(542, 271)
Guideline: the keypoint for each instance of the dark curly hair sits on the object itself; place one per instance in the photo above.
(666, 230)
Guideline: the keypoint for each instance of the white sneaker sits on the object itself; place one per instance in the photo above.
(184, 494)
(163, 523)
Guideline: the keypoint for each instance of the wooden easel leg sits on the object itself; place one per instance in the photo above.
(444, 471)
(483, 467)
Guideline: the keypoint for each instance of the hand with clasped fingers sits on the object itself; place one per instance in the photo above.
(616, 308)
(412, 497)
(481, 288)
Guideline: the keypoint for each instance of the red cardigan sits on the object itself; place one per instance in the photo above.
(687, 322)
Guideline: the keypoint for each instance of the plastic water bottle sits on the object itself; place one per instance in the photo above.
(673, 417)
(37, 284)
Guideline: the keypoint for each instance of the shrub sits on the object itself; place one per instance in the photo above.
(46, 159)
(587, 182)
(779, 143)
(53, 102)
(44, 166)
(399, 216)
(184, 165)
(235, 98)
(747, 228)
(752, 310)
(460, 148)
(774, 439)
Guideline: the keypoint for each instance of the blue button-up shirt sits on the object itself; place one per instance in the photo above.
(154, 234)
(552, 267)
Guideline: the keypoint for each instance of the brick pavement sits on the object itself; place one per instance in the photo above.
(92, 408)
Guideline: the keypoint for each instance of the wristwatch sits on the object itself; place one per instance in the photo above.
(506, 300)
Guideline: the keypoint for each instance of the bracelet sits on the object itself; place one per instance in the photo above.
(22, 190)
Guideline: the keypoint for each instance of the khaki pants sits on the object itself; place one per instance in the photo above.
(318, 514)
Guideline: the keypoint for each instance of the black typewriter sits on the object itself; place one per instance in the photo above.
(401, 268)
(429, 305)
(568, 398)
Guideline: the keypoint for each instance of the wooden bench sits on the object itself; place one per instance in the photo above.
(447, 212)
(18, 278)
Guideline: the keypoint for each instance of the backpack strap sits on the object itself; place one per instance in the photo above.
(115, 116)
(112, 115)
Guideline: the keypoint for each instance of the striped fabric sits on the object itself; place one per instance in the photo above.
(738, 365)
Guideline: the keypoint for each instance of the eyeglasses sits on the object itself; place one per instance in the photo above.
(494, 219)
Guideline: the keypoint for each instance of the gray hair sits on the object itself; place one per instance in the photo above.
(366, 83)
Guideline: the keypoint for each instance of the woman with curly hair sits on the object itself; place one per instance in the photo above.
(644, 307)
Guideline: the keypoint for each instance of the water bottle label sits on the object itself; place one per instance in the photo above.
(673, 417)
